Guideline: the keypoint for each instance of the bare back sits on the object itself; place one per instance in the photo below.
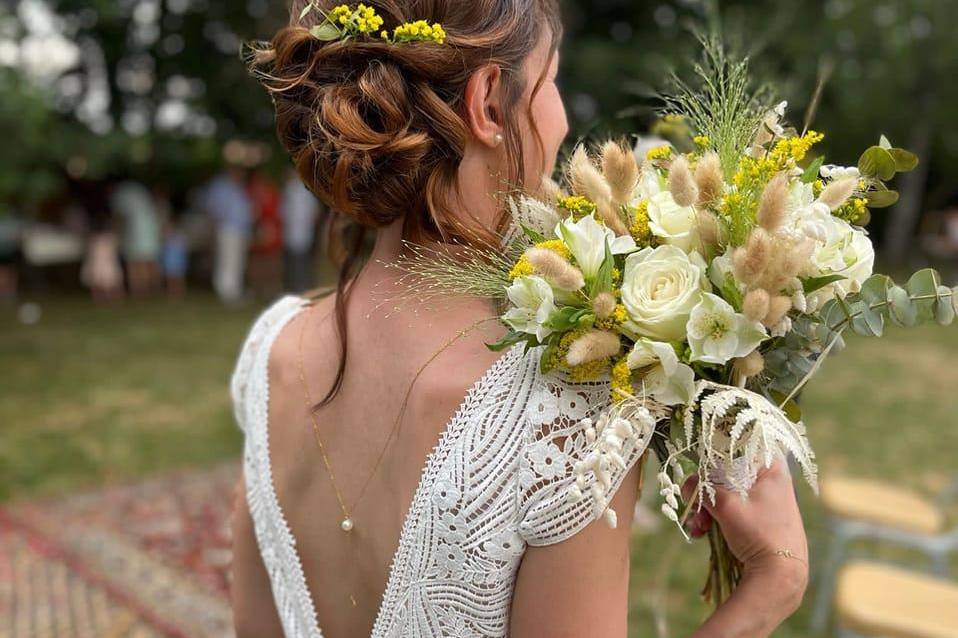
(376, 455)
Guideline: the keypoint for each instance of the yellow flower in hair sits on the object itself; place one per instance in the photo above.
(419, 31)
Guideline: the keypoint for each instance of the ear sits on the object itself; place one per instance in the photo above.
(483, 103)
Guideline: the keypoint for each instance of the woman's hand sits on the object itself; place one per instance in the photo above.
(766, 534)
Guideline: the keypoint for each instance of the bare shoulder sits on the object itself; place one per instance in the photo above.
(287, 349)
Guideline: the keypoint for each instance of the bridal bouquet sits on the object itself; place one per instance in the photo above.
(707, 284)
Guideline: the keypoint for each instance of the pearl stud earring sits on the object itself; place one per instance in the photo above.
(498, 139)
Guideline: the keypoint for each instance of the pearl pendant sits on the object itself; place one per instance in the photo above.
(347, 525)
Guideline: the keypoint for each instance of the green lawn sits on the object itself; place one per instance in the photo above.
(93, 395)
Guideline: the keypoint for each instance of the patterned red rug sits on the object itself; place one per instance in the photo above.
(142, 560)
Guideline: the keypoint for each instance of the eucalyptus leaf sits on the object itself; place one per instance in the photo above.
(811, 173)
(902, 309)
(874, 291)
(877, 162)
(867, 322)
(325, 32)
(904, 160)
(923, 288)
(306, 11)
(944, 308)
(882, 198)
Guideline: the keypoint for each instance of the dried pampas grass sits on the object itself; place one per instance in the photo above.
(837, 193)
(708, 178)
(771, 209)
(586, 179)
(621, 171)
(756, 304)
(559, 272)
(594, 345)
(681, 183)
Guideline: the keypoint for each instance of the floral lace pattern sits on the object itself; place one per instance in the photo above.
(496, 482)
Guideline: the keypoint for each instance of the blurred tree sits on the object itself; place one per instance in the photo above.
(151, 88)
(159, 88)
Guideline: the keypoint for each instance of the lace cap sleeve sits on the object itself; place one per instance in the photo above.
(555, 504)
(258, 334)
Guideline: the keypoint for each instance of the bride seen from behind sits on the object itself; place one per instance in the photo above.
(375, 499)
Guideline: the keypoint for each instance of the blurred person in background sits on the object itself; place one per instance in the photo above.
(175, 258)
(101, 271)
(10, 229)
(267, 244)
(300, 211)
(134, 205)
(228, 203)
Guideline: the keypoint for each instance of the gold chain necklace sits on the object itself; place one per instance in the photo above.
(348, 523)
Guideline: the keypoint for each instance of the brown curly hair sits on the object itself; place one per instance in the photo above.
(377, 130)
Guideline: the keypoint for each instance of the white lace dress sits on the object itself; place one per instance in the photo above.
(494, 484)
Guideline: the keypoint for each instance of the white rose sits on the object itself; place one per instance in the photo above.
(840, 250)
(586, 240)
(718, 334)
(659, 289)
(534, 303)
(667, 380)
(674, 224)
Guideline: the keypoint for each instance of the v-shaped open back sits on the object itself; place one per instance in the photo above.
(495, 482)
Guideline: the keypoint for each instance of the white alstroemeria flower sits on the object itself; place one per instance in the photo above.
(586, 240)
(836, 172)
(717, 333)
(660, 287)
(667, 381)
(534, 303)
(675, 225)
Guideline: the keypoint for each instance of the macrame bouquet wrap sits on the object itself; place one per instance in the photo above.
(705, 280)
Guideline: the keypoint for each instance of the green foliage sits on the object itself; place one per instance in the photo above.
(721, 103)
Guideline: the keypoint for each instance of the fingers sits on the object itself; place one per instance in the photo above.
(699, 520)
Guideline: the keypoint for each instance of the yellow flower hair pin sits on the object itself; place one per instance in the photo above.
(345, 23)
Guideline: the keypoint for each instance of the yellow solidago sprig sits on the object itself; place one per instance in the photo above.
(577, 205)
(639, 228)
(855, 211)
(418, 31)
(344, 22)
(659, 153)
(621, 386)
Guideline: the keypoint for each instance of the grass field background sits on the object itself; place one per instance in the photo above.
(102, 395)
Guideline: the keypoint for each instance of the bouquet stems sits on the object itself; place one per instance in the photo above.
(725, 571)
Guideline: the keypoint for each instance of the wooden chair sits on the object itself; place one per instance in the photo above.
(877, 600)
(863, 509)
